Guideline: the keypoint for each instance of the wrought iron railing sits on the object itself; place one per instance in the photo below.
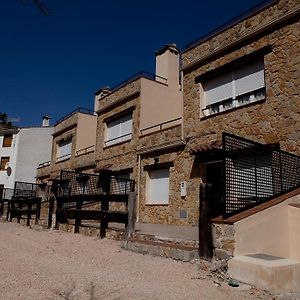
(8, 193)
(255, 173)
(77, 110)
(136, 76)
(161, 126)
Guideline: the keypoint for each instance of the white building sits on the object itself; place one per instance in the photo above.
(21, 151)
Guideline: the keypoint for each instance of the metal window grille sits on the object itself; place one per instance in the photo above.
(255, 173)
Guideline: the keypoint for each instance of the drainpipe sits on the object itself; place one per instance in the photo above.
(138, 190)
(182, 103)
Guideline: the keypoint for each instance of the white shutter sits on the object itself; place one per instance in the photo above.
(119, 130)
(249, 78)
(126, 127)
(159, 186)
(64, 149)
(218, 89)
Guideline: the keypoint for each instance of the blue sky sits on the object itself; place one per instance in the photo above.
(52, 65)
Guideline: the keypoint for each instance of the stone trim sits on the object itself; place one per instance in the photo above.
(235, 64)
(118, 102)
(158, 166)
(161, 148)
(120, 114)
(262, 29)
(64, 130)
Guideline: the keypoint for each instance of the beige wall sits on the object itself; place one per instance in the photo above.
(273, 231)
(294, 231)
(159, 103)
(86, 131)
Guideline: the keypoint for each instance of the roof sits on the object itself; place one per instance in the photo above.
(213, 145)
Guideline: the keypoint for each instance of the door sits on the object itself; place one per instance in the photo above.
(210, 206)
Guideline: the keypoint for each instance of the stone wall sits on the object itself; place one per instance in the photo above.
(277, 119)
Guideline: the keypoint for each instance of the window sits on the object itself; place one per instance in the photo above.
(119, 130)
(4, 163)
(235, 88)
(64, 150)
(158, 186)
(7, 140)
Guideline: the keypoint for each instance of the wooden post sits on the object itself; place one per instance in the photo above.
(8, 209)
(50, 211)
(79, 203)
(130, 226)
(104, 221)
(38, 210)
(29, 201)
(58, 208)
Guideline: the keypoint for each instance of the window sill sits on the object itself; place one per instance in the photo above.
(156, 204)
(232, 109)
(62, 160)
(117, 144)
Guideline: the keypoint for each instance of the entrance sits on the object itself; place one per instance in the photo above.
(210, 205)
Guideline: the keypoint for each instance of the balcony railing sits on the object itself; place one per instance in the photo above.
(161, 126)
(77, 110)
(85, 150)
(136, 76)
(255, 173)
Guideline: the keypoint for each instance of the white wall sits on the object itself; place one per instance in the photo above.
(8, 181)
(34, 147)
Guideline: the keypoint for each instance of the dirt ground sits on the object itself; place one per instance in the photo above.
(58, 265)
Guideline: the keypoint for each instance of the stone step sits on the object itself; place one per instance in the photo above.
(169, 249)
(275, 274)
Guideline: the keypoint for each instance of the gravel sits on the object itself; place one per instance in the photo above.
(57, 265)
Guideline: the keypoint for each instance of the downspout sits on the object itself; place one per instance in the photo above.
(182, 102)
(138, 190)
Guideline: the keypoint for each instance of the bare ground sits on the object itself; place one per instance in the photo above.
(58, 265)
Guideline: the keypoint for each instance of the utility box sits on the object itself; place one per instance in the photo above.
(183, 192)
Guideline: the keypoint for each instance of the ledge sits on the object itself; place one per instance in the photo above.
(256, 209)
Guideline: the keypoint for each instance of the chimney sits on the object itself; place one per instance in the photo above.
(167, 65)
(101, 93)
(46, 121)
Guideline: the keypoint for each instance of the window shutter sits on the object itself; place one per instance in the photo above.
(249, 78)
(218, 89)
(159, 186)
(126, 127)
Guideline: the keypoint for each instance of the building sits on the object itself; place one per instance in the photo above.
(139, 133)
(243, 79)
(21, 151)
(73, 146)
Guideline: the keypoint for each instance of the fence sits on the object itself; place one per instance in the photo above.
(73, 183)
(255, 173)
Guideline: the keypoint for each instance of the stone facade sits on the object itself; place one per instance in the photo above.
(275, 120)
(65, 130)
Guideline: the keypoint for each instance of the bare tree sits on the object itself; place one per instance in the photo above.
(39, 4)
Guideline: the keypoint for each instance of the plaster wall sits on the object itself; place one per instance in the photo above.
(159, 103)
(34, 147)
(86, 131)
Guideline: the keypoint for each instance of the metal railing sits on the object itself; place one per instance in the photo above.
(73, 183)
(77, 110)
(8, 193)
(85, 150)
(230, 23)
(160, 126)
(255, 173)
(136, 76)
